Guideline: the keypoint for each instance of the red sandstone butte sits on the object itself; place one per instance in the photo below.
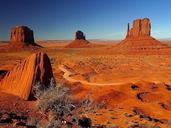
(79, 42)
(21, 38)
(139, 35)
(22, 34)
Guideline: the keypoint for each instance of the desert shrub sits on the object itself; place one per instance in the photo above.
(101, 105)
(32, 122)
(87, 103)
(40, 89)
(54, 102)
(54, 123)
(55, 99)
(139, 125)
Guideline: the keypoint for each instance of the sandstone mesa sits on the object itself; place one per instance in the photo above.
(21, 38)
(22, 34)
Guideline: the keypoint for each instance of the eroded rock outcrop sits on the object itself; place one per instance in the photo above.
(79, 42)
(20, 80)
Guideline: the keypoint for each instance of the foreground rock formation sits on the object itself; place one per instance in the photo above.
(138, 38)
(20, 81)
(79, 42)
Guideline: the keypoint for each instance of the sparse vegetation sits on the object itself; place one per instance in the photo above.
(54, 102)
(32, 122)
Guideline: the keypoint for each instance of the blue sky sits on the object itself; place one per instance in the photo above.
(98, 19)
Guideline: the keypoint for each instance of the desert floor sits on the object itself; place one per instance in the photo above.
(134, 88)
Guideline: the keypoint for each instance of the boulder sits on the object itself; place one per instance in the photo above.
(20, 81)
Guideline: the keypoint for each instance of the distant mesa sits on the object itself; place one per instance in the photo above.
(79, 35)
(21, 38)
(20, 81)
(79, 42)
(139, 38)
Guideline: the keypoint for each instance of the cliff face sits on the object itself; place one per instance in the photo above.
(141, 28)
(20, 80)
